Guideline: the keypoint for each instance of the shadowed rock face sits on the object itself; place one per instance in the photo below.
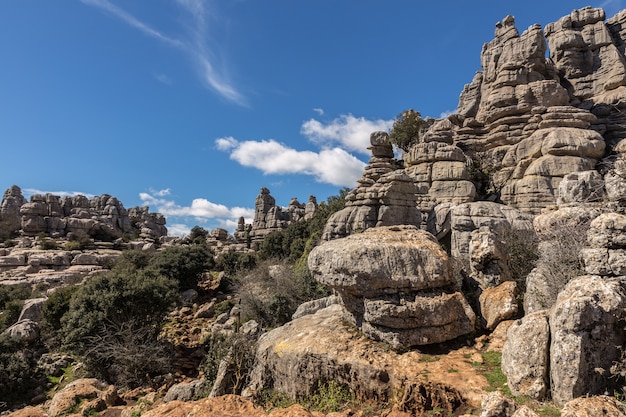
(396, 282)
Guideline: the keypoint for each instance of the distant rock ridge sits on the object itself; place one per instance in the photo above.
(103, 217)
(268, 217)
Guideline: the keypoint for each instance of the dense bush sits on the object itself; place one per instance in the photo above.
(183, 264)
(235, 263)
(11, 302)
(117, 297)
(17, 372)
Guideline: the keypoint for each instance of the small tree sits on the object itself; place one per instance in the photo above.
(406, 129)
(183, 264)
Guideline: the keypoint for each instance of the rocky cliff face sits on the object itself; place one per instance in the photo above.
(103, 217)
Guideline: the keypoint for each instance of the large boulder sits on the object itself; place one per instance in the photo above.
(397, 283)
(525, 360)
(586, 336)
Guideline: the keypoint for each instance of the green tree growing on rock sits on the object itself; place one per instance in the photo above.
(406, 129)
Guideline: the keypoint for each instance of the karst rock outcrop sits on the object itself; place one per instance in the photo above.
(269, 217)
(103, 217)
(397, 283)
(384, 196)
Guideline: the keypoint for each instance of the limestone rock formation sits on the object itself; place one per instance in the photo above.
(103, 217)
(10, 220)
(439, 169)
(529, 121)
(384, 196)
(325, 347)
(268, 217)
(396, 281)
(586, 335)
(606, 254)
(525, 356)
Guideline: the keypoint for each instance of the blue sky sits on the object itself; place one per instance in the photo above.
(192, 106)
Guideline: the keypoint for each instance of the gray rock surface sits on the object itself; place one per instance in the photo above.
(585, 336)
(396, 282)
(384, 196)
(525, 356)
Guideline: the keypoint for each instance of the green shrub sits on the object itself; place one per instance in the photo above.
(114, 298)
(235, 263)
(134, 258)
(407, 129)
(183, 264)
(330, 397)
(522, 247)
(11, 313)
(57, 304)
(113, 322)
(17, 371)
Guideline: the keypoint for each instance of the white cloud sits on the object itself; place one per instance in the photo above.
(352, 133)
(446, 113)
(178, 229)
(226, 144)
(196, 47)
(200, 209)
(32, 191)
(319, 111)
(333, 166)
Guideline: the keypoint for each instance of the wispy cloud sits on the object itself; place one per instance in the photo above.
(162, 78)
(200, 210)
(611, 7)
(351, 133)
(319, 111)
(195, 46)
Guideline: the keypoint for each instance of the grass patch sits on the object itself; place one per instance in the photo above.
(330, 397)
(491, 369)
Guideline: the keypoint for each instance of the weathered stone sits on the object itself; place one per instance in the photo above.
(385, 196)
(581, 187)
(488, 257)
(24, 330)
(184, 391)
(601, 405)
(496, 404)
(525, 360)
(585, 336)
(499, 303)
(396, 282)
(80, 389)
(10, 219)
(32, 310)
